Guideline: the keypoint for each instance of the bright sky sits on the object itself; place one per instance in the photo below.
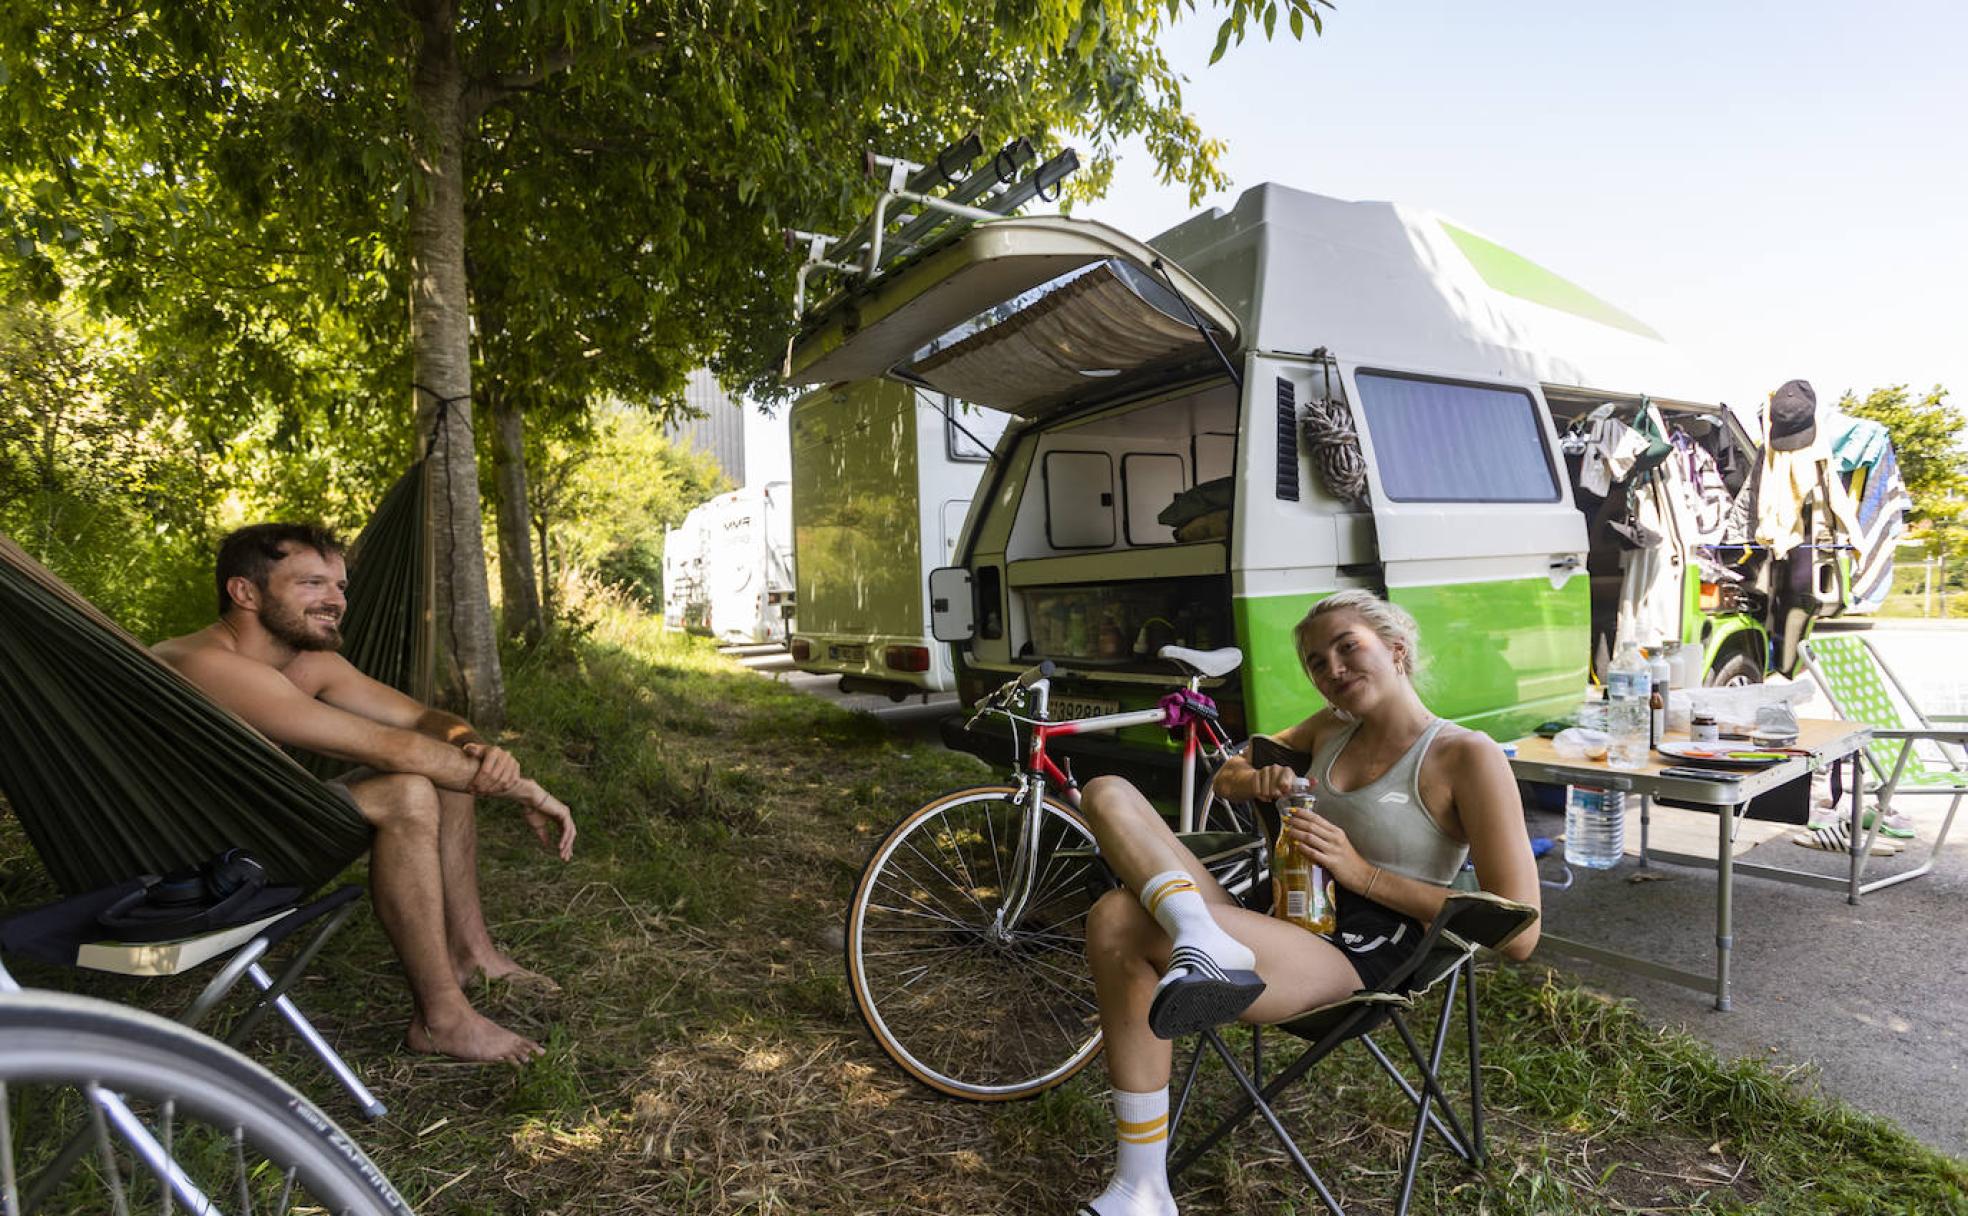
(1780, 189)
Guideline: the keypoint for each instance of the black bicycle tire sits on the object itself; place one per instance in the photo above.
(60, 1039)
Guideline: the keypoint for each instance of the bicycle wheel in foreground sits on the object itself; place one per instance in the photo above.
(219, 1133)
(965, 1007)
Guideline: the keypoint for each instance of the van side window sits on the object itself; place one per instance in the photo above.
(1079, 490)
(1440, 441)
(1149, 483)
(969, 434)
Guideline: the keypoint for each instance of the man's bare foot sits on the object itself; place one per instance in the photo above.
(499, 968)
(472, 1037)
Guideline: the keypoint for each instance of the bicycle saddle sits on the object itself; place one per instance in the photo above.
(1212, 663)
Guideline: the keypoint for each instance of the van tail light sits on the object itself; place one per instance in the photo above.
(906, 658)
(1711, 597)
(802, 650)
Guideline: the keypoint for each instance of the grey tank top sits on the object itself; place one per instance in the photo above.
(1385, 819)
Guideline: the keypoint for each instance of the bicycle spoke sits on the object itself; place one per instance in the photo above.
(239, 1158)
(956, 850)
(9, 1181)
(923, 910)
(168, 1116)
(951, 882)
(931, 910)
(112, 1173)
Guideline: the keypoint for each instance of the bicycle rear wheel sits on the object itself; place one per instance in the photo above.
(219, 1133)
(963, 1009)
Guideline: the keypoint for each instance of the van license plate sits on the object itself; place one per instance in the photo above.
(1068, 709)
(852, 652)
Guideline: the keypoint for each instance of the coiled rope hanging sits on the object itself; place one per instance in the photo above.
(1335, 447)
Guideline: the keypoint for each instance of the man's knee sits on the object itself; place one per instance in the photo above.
(398, 800)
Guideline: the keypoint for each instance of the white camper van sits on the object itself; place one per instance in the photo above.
(747, 564)
(1301, 395)
(685, 604)
(882, 479)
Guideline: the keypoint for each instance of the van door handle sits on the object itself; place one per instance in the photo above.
(1564, 563)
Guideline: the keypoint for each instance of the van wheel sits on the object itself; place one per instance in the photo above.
(1735, 671)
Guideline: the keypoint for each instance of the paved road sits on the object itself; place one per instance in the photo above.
(1873, 998)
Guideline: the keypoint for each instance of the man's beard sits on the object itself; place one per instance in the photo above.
(291, 628)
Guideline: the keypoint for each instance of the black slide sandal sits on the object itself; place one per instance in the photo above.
(1204, 996)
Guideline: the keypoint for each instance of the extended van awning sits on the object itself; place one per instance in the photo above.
(1017, 314)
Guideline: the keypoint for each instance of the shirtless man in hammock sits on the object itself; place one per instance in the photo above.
(271, 658)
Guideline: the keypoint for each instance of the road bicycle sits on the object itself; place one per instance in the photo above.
(966, 932)
(104, 1108)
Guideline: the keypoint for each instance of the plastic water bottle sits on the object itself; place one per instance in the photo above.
(1595, 827)
(1629, 686)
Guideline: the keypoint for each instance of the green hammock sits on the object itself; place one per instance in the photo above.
(386, 631)
(115, 765)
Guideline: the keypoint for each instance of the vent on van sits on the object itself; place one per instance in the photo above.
(1287, 442)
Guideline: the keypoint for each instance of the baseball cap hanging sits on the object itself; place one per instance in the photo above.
(1793, 416)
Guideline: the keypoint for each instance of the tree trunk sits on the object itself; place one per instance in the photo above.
(546, 569)
(519, 593)
(469, 680)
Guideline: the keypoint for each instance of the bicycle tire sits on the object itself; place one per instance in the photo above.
(218, 1102)
(983, 1020)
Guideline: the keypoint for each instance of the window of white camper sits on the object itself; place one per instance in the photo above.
(1215, 455)
(970, 433)
(1079, 488)
(1149, 482)
(1438, 441)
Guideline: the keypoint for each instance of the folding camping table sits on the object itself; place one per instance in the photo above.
(1728, 794)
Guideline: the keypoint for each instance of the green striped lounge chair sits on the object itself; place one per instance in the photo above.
(1862, 688)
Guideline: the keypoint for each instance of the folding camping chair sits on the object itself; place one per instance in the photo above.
(68, 933)
(1862, 688)
(1444, 959)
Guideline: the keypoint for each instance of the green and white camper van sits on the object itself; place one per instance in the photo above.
(1159, 482)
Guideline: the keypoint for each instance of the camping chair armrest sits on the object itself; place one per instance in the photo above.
(1478, 918)
(279, 930)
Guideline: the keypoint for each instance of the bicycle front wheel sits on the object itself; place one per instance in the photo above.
(964, 1006)
(187, 1125)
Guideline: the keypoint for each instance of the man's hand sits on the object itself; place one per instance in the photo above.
(497, 773)
(543, 811)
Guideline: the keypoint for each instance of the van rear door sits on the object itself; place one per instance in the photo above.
(1478, 538)
(1023, 314)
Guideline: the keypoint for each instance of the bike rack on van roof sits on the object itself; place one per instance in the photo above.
(989, 192)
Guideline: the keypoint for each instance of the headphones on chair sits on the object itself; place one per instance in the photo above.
(187, 902)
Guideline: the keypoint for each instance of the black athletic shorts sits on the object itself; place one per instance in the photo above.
(1374, 937)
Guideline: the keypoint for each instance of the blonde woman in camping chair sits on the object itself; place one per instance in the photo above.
(1403, 798)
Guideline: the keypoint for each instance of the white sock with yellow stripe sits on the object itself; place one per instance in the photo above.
(1173, 899)
(1140, 1186)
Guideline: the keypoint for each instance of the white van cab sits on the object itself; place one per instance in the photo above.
(1301, 395)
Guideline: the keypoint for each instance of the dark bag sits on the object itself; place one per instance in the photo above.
(220, 893)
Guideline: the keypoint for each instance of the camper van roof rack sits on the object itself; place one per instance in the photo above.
(992, 190)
